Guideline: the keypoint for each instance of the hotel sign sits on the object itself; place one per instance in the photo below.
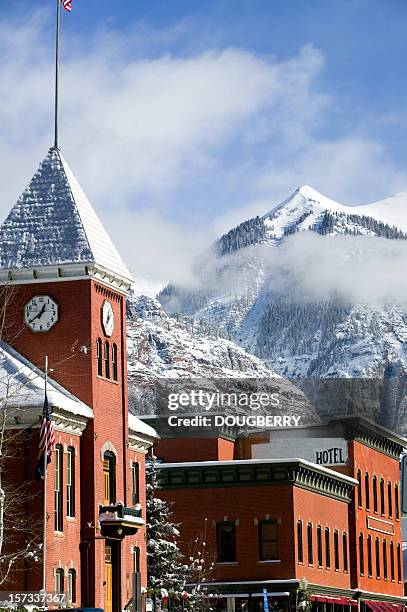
(322, 451)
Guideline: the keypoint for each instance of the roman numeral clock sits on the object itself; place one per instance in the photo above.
(41, 313)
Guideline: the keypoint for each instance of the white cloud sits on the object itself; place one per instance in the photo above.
(170, 144)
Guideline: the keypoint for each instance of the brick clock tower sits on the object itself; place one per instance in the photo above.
(68, 289)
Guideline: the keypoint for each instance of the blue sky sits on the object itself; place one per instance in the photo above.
(183, 118)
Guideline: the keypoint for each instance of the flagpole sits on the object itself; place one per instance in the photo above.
(57, 74)
(44, 550)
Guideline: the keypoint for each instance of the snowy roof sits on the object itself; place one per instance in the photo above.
(138, 426)
(22, 385)
(54, 224)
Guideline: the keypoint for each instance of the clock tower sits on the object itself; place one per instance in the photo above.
(68, 289)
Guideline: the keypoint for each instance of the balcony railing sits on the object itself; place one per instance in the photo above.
(120, 520)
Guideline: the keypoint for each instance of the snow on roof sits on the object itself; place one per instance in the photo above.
(53, 223)
(138, 426)
(22, 385)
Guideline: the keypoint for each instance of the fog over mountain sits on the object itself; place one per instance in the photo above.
(317, 290)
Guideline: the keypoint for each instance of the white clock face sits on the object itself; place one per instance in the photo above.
(107, 318)
(41, 313)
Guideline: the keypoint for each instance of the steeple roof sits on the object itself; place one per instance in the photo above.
(53, 229)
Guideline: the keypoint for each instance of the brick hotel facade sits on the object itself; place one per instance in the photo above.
(275, 521)
(64, 297)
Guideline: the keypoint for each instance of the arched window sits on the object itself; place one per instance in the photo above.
(136, 553)
(392, 560)
(336, 549)
(361, 555)
(398, 562)
(396, 502)
(59, 581)
(70, 482)
(107, 359)
(377, 555)
(385, 559)
(300, 549)
(359, 477)
(71, 586)
(99, 355)
(114, 362)
(345, 551)
(109, 478)
(319, 545)
(327, 548)
(375, 494)
(367, 491)
(390, 499)
(369, 556)
(310, 544)
(381, 496)
(58, 491)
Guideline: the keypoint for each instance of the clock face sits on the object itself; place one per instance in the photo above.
(41, 313)
(107, 318)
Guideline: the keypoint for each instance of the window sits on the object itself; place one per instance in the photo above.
(107, 359)
(369, 556)
(345, 551)
(392, 560)
(361, 555)
(109, 478)
(374, 494)
(385, 559)
(327, 548)
(359, 477)
(367, 491)
(319, 545)
(398, 562)
(226, 542)
(336, 549)
(300, 549)
(382, 496)
(396, 501)
(71, 586)
(58, 484)
(99, 356)
(377, 555)
(59, 581)
(268, 540)
(136, 555)
(114, 362)
(70, 482)
(390, 499)
(135, 476)
(310, 544)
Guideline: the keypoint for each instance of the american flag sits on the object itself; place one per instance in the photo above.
(67, 5)
(47, 438)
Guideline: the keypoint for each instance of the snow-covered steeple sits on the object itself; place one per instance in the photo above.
(53, 232)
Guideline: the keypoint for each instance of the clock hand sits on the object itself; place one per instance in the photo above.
(39, 314)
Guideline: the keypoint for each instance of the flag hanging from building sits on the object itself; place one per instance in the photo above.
(47, 439)
(67, 5)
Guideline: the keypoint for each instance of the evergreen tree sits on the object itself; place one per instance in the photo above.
(166, 568)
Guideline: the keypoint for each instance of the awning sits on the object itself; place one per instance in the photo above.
(341, 601)
(383, 606)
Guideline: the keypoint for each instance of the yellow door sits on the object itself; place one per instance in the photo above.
(108, 580)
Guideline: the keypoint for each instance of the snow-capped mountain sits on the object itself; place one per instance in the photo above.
(248, 288)
(177, 348)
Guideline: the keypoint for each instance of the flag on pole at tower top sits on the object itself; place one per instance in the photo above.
(67, 5)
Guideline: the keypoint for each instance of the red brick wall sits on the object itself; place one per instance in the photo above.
(329, 513)
(200, 509)
(195, 449)
(80, 325)
(377, 464)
